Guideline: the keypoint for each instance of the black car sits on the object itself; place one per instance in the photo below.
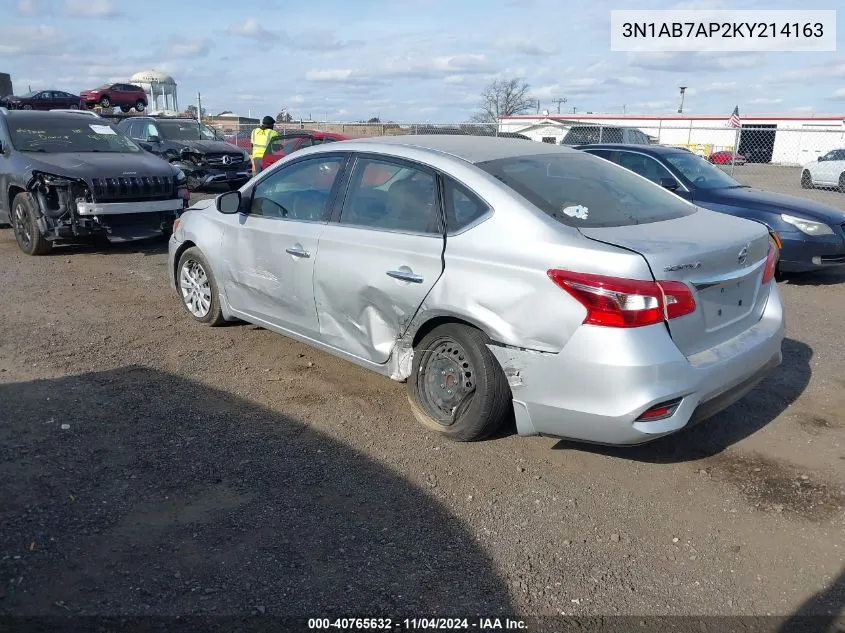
(43, 100)
(812, 234)
(66, 176)
(198, 150)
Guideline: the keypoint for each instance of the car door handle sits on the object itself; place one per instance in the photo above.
(297, 252)
(405, 275)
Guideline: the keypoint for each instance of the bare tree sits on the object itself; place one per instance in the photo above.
(504, 97)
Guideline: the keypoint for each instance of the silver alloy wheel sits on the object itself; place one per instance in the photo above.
(20, 222)
(196, 288)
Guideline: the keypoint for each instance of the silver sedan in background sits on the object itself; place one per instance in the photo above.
(503, 280)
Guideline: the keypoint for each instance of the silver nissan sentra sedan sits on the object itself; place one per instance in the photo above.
(502, 279)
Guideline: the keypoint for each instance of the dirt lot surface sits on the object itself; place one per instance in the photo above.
(153, 466)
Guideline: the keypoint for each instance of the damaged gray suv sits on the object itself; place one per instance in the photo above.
(70, 177)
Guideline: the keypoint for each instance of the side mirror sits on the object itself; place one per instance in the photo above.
(668, 183)
(229, 202)
(820, 158)
(153, 139)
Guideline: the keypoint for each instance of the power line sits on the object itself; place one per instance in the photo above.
(558, 102)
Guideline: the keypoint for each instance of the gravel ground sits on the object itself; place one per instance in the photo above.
(153, 466)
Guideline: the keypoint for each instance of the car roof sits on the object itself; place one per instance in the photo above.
(35, 116)
(473, 149)
(657, 150)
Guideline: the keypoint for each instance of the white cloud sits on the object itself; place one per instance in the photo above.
(31, 40)
(252, 29)
(765, 101)
(838, 94)
(29, 7)
(190, 47)
(330, 75)
(92, 9)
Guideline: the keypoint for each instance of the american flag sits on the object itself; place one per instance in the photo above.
(734, 120)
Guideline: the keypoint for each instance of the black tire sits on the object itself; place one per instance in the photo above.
(26, 107)
(105, 102)
(842, 182)
(140, 106)
(194, 258)
(125, 108)
(806, 180)
(484, 400)
(24, 218)
(74, 107)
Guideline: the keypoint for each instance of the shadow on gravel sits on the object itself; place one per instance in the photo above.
(147, 246)
(137, 492)
(765, 403)
(822, 612)
(828, 277)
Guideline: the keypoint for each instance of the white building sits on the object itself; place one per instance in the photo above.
(774, 139)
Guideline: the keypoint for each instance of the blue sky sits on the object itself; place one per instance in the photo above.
(405, 60)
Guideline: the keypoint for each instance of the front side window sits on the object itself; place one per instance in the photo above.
(392, 197)
(700, 171)
(298, 192)
(69, 133)
(581, 190)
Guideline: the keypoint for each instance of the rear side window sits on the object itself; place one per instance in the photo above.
(581, 190)
(462, 206)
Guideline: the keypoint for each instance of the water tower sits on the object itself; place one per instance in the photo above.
(160, 88)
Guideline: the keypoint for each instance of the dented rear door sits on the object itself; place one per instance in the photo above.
(378, 261)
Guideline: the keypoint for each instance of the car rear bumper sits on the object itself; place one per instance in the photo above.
(802, 253)
(604, 379)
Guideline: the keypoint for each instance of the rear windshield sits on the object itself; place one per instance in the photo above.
(587, 135)
(70, 133)
(185, 131)
(584, 191)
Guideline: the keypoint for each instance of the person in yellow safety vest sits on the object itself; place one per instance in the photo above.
(261, 138)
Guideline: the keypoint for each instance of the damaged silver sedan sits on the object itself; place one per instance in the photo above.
(503, 280)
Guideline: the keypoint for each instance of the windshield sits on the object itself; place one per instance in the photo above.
(186, 131)
(31, 93)
(586, 191)
(68, 134)
(700, 172)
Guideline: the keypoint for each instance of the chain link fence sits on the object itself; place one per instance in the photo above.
(802, 161)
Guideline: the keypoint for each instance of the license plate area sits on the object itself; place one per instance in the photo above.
(728, 302)
(231, 175)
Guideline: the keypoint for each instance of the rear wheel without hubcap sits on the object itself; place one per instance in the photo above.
(806, 181)
(198, 288)
(25, 226)
(457, 387)
(105, 102)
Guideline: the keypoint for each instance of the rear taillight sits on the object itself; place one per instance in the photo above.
(771, 263)
(615, 302)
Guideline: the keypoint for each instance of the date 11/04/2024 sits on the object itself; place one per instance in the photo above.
(793, 30)
(415, 624)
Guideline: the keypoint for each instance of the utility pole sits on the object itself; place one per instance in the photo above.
(681, 106)
(199, 107)
(558, 102)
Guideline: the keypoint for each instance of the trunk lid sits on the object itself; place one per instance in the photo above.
(720, 257)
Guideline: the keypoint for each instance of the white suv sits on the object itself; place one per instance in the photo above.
(825, 171)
